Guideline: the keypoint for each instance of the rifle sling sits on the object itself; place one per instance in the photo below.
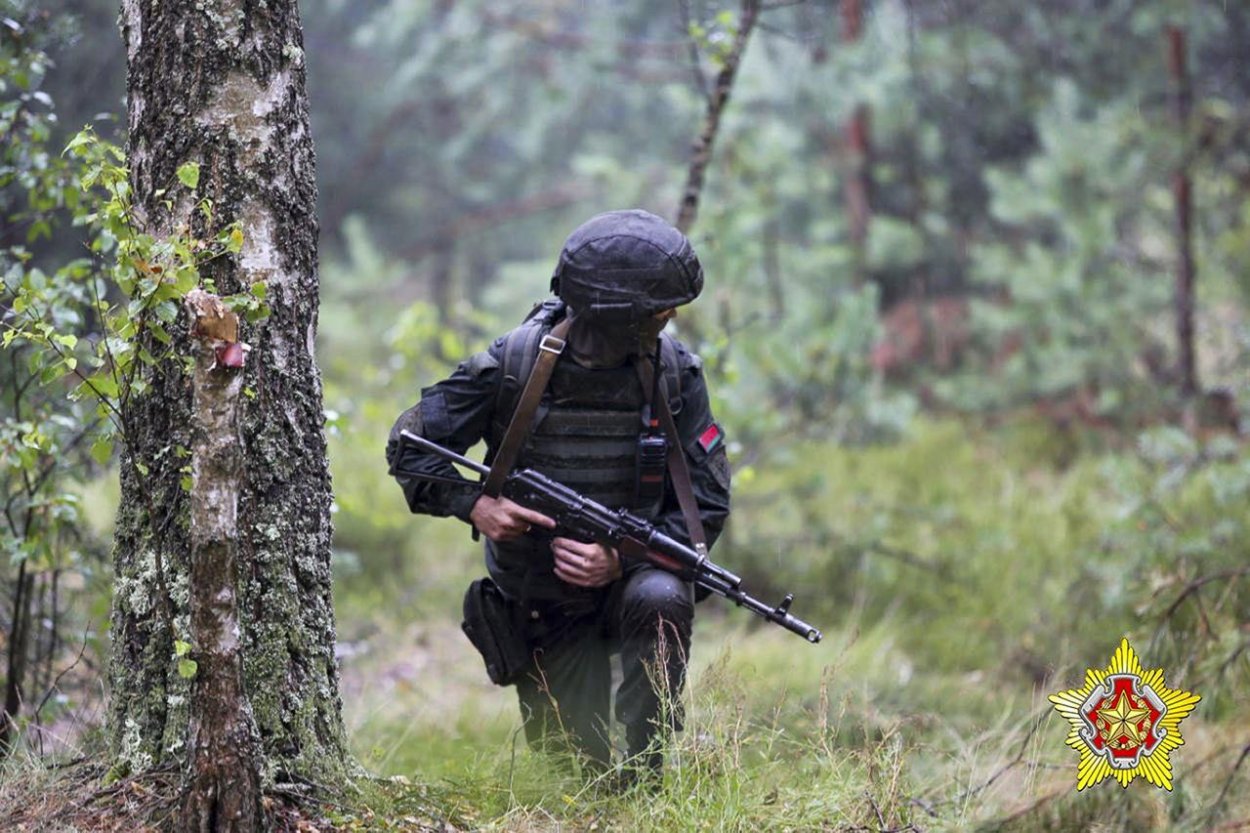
(678, 469)
(549, 350)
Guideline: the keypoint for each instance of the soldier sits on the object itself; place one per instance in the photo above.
(619, 279)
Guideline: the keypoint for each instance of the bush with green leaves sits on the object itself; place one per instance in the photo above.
(44, 434)
(79, 340)
(1179, 540)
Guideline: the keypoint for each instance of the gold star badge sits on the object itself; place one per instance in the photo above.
(1124, 722)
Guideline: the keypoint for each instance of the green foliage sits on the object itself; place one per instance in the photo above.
(980, 545)
(124, 341)
(1083, 289)
(1181, 530)
(1014, 158)
(716, 39)
(189, 174)
(920, 532)
(44, 437)
(384, 556)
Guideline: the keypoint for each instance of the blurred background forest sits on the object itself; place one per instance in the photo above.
(979, 423)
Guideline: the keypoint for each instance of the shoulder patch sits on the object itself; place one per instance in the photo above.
(710, 438)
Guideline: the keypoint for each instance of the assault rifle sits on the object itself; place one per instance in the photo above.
(577, 516)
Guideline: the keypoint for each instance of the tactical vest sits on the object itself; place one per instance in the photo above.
(588, 436)
(587, 426)
(585, 435)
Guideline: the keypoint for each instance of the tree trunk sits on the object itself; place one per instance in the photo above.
(223, 789)
(701, 150)
(858, 189)
(15, 678)
(221, 83)
(1182, 192)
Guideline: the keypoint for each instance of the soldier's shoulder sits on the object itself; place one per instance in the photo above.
(687, 360)
(484, 361)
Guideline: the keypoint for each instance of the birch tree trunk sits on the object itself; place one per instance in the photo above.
(221, 83)
(223, 790)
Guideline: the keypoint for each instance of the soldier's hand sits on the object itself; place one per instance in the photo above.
(500, 519)
(585, 565)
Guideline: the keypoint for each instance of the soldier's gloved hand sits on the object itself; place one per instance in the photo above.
(500, 519)
(585, 565)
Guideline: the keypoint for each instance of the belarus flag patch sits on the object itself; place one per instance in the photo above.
(710, 438)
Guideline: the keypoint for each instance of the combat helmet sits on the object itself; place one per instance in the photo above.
(625, 266)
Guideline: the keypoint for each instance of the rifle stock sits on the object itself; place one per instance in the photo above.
(577, 516)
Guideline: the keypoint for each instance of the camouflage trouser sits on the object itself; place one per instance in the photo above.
(565, 696)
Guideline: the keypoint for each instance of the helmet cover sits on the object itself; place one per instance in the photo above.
(626, 266)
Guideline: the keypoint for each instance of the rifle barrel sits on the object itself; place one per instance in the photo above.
(779, 615)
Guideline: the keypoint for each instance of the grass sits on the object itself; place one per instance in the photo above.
(747, 760)
(853, 734)
(960, 577)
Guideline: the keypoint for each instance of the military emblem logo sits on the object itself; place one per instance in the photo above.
(1125, 722)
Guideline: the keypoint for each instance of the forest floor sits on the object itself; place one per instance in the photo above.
(850, 735)
(958, 582)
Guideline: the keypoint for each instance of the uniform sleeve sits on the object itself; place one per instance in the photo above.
(703, 443)
(455, 413)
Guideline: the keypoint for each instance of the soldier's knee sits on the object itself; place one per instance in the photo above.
(652, 595)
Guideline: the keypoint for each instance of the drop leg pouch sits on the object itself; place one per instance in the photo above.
(493, 624)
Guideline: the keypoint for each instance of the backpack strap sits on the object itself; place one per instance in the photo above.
(549, 349)
(520, 349)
